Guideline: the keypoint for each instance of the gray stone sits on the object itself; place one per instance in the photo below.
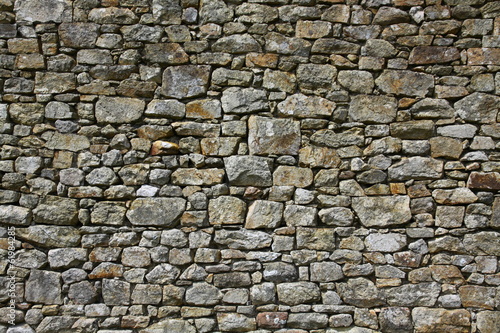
(464, 131)
(228, 77)
(71, 142)
(326, 272)
(185, 81)
(390, 242)
(373, 109)
(65, 258)
(478, 107)
(278, 43)
(112, 15)
(165, 53)
(117, 110)
(315, 77)
(109, 213)
(166, 12)
(273, 136)
(458, 196)
(334, 46)
(174, 238)
(166, 108)
(15, 215)
(483, 243)
(115, 292)
(163, 274)
(278, 80)
(248, 170)
(302, 106)
(237, 44)
(203, 294)
(102, 176)
(295, 293)
(360, 292)
(243, 239)
(321, 239)
(374, 212)
(78, 35)
(421, 294)
(26, 113)
(50, 236)
(432, 108)
(56, 210)
(487, 321)
(244, 100)
(396, 320)
(280, 272)
(215, 11)
(416, 168)
(390, 15)
(51, 324)
(43, 287)
(30, 259)
(82, 293)
(406, 83)
(264, 214)
(337, 216)
(135, 174)
(226, 210)
(151, 212)
(43, 11)
(235, 322)
(355, 81)
(296, 216)
(171, 326)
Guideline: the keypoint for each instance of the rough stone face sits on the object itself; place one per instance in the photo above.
(226, 210)
(15, 215)
(360, 292)
(433, 320)
(43, 287)
(424, 55)
(166, 108)
(26, 113)
(373, 212)
(483, 243)
(273, 136)
(302, 106)
(237, 44)
(405, 83)
(185, 81)
(243, 239)
(478, 107)
(54, 83)
(43, 11)
(50, 236)
(79, 35)
(189, 176)
(373, 109)
(385, 242)
(243, 100)
(456, 196)
(248, 170)
(203, 294)
(326, 272)
(295, 293)
(118, 110)
(322, 239)
(156, 211)
(71, 142)
(56, 210)
(416, 168)
(235, 322)
(487, 321)
(264, 214)
(421, 294)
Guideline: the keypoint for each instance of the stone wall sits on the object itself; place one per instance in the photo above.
(295, 166)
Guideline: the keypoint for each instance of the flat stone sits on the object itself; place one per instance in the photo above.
(390, 242)
(264, 214)
(43, 287)
(478, 107)
(215, 11)
(203, 294)
(56, 210)
(484, 180)
(487, 321)
(295, 293)
(71, 142)
(373, 109)
(318, 157)
(244, 100)
(66, 258)
(198, 177)
(374, 212)
(432, 108)
(435, 320)
(413, 130)
(302, 106)
(458, 196)
(171, 326)
(204, 109)
(406, 83)
(54, 83)
(249, 170)
(171, 108)
(292, 176)
(278, 43)
(483, 56)
(235, 322)
(237, 44)
(326, 272)
(117, 110)
(334, 46)
(165, 53)
(483, 243)
(446, 147)
(273, 136)
(357, 81)
(150, 211)
(43, 11)
(78, 35)
(109, 213)
(226, 210)
(185, 81)
(15, 215)
(360, 292)
(425, 55)
(419, 294)
(416, 168)
(50, 236)
(464, 131)
(321, 239)
(337, 216)
(112, 15)
(243, 239)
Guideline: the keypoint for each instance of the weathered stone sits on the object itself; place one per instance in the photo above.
(416, 168)
(278, 43)
(302, 106)
(185, 81)
(487, 321)
(456, 196)
(292, 176)
(166, 108)
(50, 236)
(26, 113)
(390, 242)
(373, 212)
(68, 257)
(436, 320)
(318, 157)
(295, 293)
(264, 214)
(243, 239)
(115, 292)
(203, 294)
(248, 170)
(15, 215)
(243, 100)
(215, 11)
(237, 44)
(482, 243)
(102, 176)
(188, 176)
(312, 29)
(413, 130)
(425, 55)
(390, 15)
(43, 287)
(406, 83)
(112, 15)
(478, 107)
(151, 212)
(458, 131)
(204, 109)
(307, 320)
(315, 77)
(484, 180)
(326, 272)
(445, 147)
(373, 109)
(273, 136)
(334, 46)
(43, 11)
(337, 216)
(226, 210)
(357, 81)
(322, 239)
(71, 142)
(235, 322)
(483, 56)
(421, 294)
(117, 110)
(360, 292)
(432, 108)
(165, 53)
(108, 212)
(171, 326)
(78, 35)
(163, 274)
(56, 210)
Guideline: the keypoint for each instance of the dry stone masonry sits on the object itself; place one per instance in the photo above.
(293, 166)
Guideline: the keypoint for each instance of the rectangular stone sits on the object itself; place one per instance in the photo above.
(199, 177)
(483, 56)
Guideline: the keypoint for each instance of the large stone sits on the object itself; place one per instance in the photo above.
(278, 43)
(360, 292)
(292, 176)
(170, 326)
(295, 293)
(166, 108)
(278, 80)
(273, 136)
(165, 53)
(243, 239)
(237, 44)
(396, 320)
(52, 324)
(244, 100)
(163, 212)
(56, 210)
(264, 214)
(249, 170)
(458, 196)
(185, 81)
(198, 177)
(226, 210)
(488, 321)
(430, 320)
(483, 243)
(15, 215)
(478, 107)
(425, 55)
(203, 294)
(326, 272)
(256, 13)
(318, 157)
(54, 83)
(71, 142)
(115, 292)
(484, 180)
(405, 83)
(109, 213)
(373, 109)
(68, 257)
(382, 211)
(78, 35)
(296, 215)
(118, 110)
(43, 287)
(334, 46)
(321, 239)
(50, 236)
(204, 109)
(112, 15)
(417, 168)
(420, 294)
(302, 106)
(357, 81)
(483, 56)
(26, 113)
(167, 12)
(280, 272)
(390, 242)
(316, 77)
(477, 297)
(413, 130)
(215, 11)
(235, 322)
(432, 108)
(43, 11)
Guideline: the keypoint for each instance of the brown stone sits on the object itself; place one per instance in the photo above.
(425, 55)
(272, 319)
(318, 157)
(429, 320)
(447, 274)
(266, 60)
(483, 56)
(477, 297)
(164, 148)
(292, 176)
(484, 180)
(445, 147)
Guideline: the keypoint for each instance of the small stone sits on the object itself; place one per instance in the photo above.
(237, 44)
(248, 170)
(292, 176)
(112, 15)
(203, 294)
(235, 322)
(185, 81)
(372, 211)
(357, 81)
(404, 83)
(43, 11)
(302, 106)
(295, 293)
(278, 43)
(226, 210)
(117, 110)
(243, 239)
(56, 210)
(373, 109)
(264, 214)
(243, 100)
(197, 177)
(78, 35)
(419, 294)
(43, 287)
(273, 136)
(26, 113)
(425, 55)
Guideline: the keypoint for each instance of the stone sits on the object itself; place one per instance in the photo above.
(204, 109)
(360, 292)
(432, 108)
(264, 214)
(355, 81)
(243, 100)
(56, 210)
(396, 319)
(337, 216)
(280, 81)
(449, 216)
(482, 243)
(483, 56)
(434, 320)
(56, 323)
(43, 287)
(485, 107)
(278, 43)
(271, 320)
(102, 176)
(226, 210)
(58, 110)
(425, 55)
(308, 320)
(171, 326)
(487, 321)
(172, 109)
(322, 239)
(484, 180)
(215, 11)
(273, 136)
(165, 53)
(294, 293)
(416, 168)
(445, 147)
(248, 170)
(243, 239)
(390, 15)
(118, 110)
(458, 196)
(312, 29)
(326, 272)
(198, 177)
(302, 106)
(185, 81)
(112, 15)
(458, 131)
(43, 11)
(296, 215)
(237, 44)
(115, 292)
(406, 83)
(163, 274)
(26, 113)
(315, 77)
(373, 109)
(420, 294)
(318, 157)
(71, 142)
(292, 176)
(413, 130)
(50, 236)
(65, 258)
(235, 322)
(373, 212)
(334, 46)
(78, 35)
(150, 211)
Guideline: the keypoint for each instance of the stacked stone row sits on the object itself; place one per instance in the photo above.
(264, 166)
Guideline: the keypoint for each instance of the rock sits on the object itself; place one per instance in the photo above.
(225, 146)
(115, 292)
(421, 294)
(456, 196)
(458, 131)
(26, 113)
(118, 110)
(406, 83)
(280, 272)
(171, 326)
(483, 56)
(56, 210)
(54, 83)
(296, 216)
(163, 274)
(166, 108)
(256, 13)
(248, 170)
(102, 176)
(232, 280)
(273, 136)
(312, 29)
(264, 214)
(243, 239)
(360, 292)
(50, 236)
(278, 43)
(215, 11)
(58, 110)
(373, 109)
(149, 211)
(271, 320)
(237, 44)
(413, 130)
(165, 53)
(390, 242)
(390, 15)
(56, 323)
(445, 147)
(203, 294)
(308, 320)
(334, 46)
(292, 176)
(78, 35)
(326, 272)
(228, 77)
(196, 129)
(482, 243)
(434, 320)
(167, 12)
(226, 210)
(108, 212)
(487, 321)
(432, 108)
(318, 157)
(244, 100)
(198, 177)
(416, 168)
(164, 148)
(43, 287)
(112, 15)
(425, 55)
(315, 77)
(15, 215)
(485, 107)
(71, 142)
(295, 293)
(235, 322)
(43, 11)
(204, 109)
(484, 180)
(65, 258)
(185, 81)
(337, 216)
(373, 212)
(302, 106)
(321, 239)
(357, 81)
